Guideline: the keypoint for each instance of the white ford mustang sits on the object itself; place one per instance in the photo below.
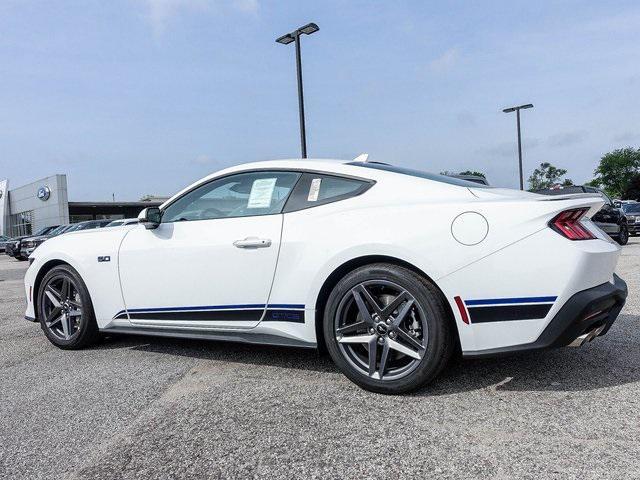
(391, 270)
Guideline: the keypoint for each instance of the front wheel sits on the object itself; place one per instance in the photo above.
(65, 310)
(387, 329)
(623, 236)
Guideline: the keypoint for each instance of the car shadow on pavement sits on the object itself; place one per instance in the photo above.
(608, 361)
(611, 360)
(251, 354)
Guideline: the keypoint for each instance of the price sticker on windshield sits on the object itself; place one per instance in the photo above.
(261, 193)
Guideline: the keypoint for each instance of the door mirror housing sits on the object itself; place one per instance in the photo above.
(150, 217)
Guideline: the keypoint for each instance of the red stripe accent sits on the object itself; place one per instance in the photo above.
(463, 310)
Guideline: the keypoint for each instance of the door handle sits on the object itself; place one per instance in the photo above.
(253, 242)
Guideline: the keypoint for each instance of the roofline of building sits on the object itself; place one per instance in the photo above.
(115, 204)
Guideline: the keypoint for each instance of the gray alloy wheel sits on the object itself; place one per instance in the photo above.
(381, 330)
(388, 328)
(65, 310)
(62, 307)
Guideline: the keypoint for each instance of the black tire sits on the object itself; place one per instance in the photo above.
(623, 237)
(84, 331)
(427, 304)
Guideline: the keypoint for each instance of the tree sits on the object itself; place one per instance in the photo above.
(474, 173)
(567, 182)
(546, 176)
(616, 169)
(632, 192)
(449, 173)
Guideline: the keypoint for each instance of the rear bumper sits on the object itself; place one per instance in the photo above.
(584, 312)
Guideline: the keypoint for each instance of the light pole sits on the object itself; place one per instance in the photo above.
(517, 110)
(285, 40)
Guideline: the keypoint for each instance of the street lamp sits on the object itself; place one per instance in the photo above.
(517, 110)
(285, 40)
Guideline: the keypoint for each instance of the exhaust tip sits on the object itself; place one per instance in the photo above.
(587, 337)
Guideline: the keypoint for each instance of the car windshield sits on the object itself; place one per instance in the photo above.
(58, 230)
(77, 226)
(420, 174)
(42, 231)
(631, 207)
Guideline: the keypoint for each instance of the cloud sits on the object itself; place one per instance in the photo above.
(567, 139)
(466, 119)
(627, 137)
(246, 6)
(444, 62)
(203, 160)
(508, 149)
(160, 12)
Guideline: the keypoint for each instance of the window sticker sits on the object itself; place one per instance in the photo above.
(261, 193)
(314, 190)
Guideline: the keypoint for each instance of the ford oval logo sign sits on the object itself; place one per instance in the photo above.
(44, 193)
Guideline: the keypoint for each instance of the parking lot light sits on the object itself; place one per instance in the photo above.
(517, 110)
(286, 39)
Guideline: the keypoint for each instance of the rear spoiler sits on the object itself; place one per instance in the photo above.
(568, 196)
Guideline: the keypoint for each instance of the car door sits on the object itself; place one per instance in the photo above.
(211, 261)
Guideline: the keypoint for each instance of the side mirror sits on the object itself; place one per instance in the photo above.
(150, 217)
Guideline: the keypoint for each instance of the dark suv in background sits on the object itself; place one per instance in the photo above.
(609, 219)
(632, 212)
(28, 245)
(15, 244)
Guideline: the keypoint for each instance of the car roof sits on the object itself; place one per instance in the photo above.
(351, 167)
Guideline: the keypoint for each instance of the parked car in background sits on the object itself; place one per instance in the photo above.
(29, 244)
(632, 213)
(3, 242)
(609, 219)
(88, 225)
(122, 222)
(619, 203)
(14, 245)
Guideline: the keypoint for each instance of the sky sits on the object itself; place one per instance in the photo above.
(135, 97)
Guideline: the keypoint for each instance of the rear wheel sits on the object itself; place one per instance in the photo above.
(387, 329)
(623, 236)
(65, 309)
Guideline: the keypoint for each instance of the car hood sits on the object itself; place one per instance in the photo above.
(81, 244)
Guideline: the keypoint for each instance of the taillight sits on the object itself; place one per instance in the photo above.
(568, 224)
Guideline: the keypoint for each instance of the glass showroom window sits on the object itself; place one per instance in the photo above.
(22, 223)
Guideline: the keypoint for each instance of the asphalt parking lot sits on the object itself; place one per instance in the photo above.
(136, 407)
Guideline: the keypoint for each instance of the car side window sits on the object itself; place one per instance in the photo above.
(315, 189)
(240, 195)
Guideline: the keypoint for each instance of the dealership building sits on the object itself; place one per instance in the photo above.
(45, 202)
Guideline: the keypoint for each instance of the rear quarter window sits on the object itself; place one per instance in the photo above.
(314, 189)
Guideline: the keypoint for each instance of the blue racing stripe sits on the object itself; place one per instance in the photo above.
(286, 305)
(250, 306)
(507, 301)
